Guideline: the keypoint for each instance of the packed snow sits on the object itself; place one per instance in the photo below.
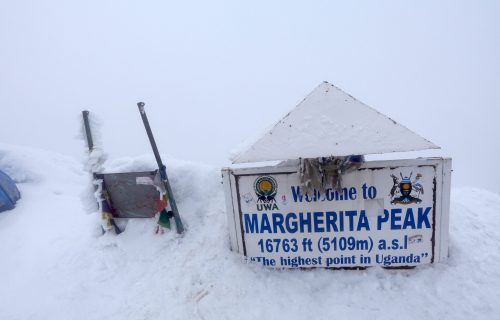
(55, 264)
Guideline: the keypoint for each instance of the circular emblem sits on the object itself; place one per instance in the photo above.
(266, 188)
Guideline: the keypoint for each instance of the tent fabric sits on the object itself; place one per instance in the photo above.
(9, 194)
(330, 122)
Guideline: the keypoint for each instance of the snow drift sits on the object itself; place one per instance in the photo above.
(55, 264)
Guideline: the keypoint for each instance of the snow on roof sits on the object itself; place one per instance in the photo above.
(331, 122)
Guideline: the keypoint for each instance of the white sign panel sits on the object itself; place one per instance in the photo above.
(385, 214)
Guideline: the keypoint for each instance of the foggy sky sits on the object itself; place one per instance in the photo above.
(213, 73)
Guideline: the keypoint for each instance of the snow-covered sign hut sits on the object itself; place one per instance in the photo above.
(324, 206)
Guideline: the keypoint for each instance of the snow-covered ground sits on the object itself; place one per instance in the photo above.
(54, 264)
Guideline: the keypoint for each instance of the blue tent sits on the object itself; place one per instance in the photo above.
(9, 193)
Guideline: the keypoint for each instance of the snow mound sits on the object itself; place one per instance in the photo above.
(36, 166)
(55, 265)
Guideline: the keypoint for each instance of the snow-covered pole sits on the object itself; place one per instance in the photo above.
(162, 168)
(93, 167)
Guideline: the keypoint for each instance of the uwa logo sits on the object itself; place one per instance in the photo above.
(266, 189)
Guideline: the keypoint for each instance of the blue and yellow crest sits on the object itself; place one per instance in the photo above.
(406, 191)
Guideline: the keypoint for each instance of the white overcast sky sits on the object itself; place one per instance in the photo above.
(213, 73)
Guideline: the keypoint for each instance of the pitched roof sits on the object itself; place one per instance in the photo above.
(331, 122)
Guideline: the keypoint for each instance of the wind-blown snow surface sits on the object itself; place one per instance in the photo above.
(55, 265)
